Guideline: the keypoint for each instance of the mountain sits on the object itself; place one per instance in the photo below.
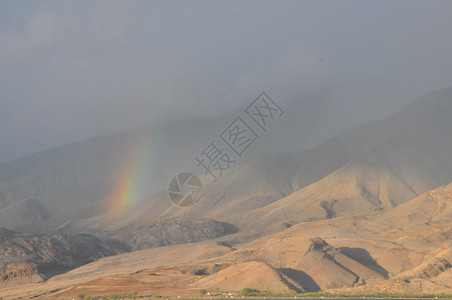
(367, 210)
(43, 191)
(367, 170)
(163, 232)
(345, 254)
(386, 162)
(40, 257)
(431, 208)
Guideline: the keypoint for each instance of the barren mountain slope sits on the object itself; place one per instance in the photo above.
(395, 171)
(366, 170)
(343, 253)
(41, 257)
(72, 184)
(432, 208)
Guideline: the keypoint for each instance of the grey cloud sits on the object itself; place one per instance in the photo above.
(74, 69)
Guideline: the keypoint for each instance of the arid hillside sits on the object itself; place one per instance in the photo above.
(368, 210)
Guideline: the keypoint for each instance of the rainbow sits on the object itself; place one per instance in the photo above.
(131, 182)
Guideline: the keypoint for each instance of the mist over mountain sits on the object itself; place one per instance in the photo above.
(380, 164)
(125, 66)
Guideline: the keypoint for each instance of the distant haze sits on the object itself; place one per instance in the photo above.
(70, 70)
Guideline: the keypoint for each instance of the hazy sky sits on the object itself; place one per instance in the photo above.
(74, 69)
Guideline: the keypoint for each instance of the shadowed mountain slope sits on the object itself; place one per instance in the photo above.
(41, 257)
